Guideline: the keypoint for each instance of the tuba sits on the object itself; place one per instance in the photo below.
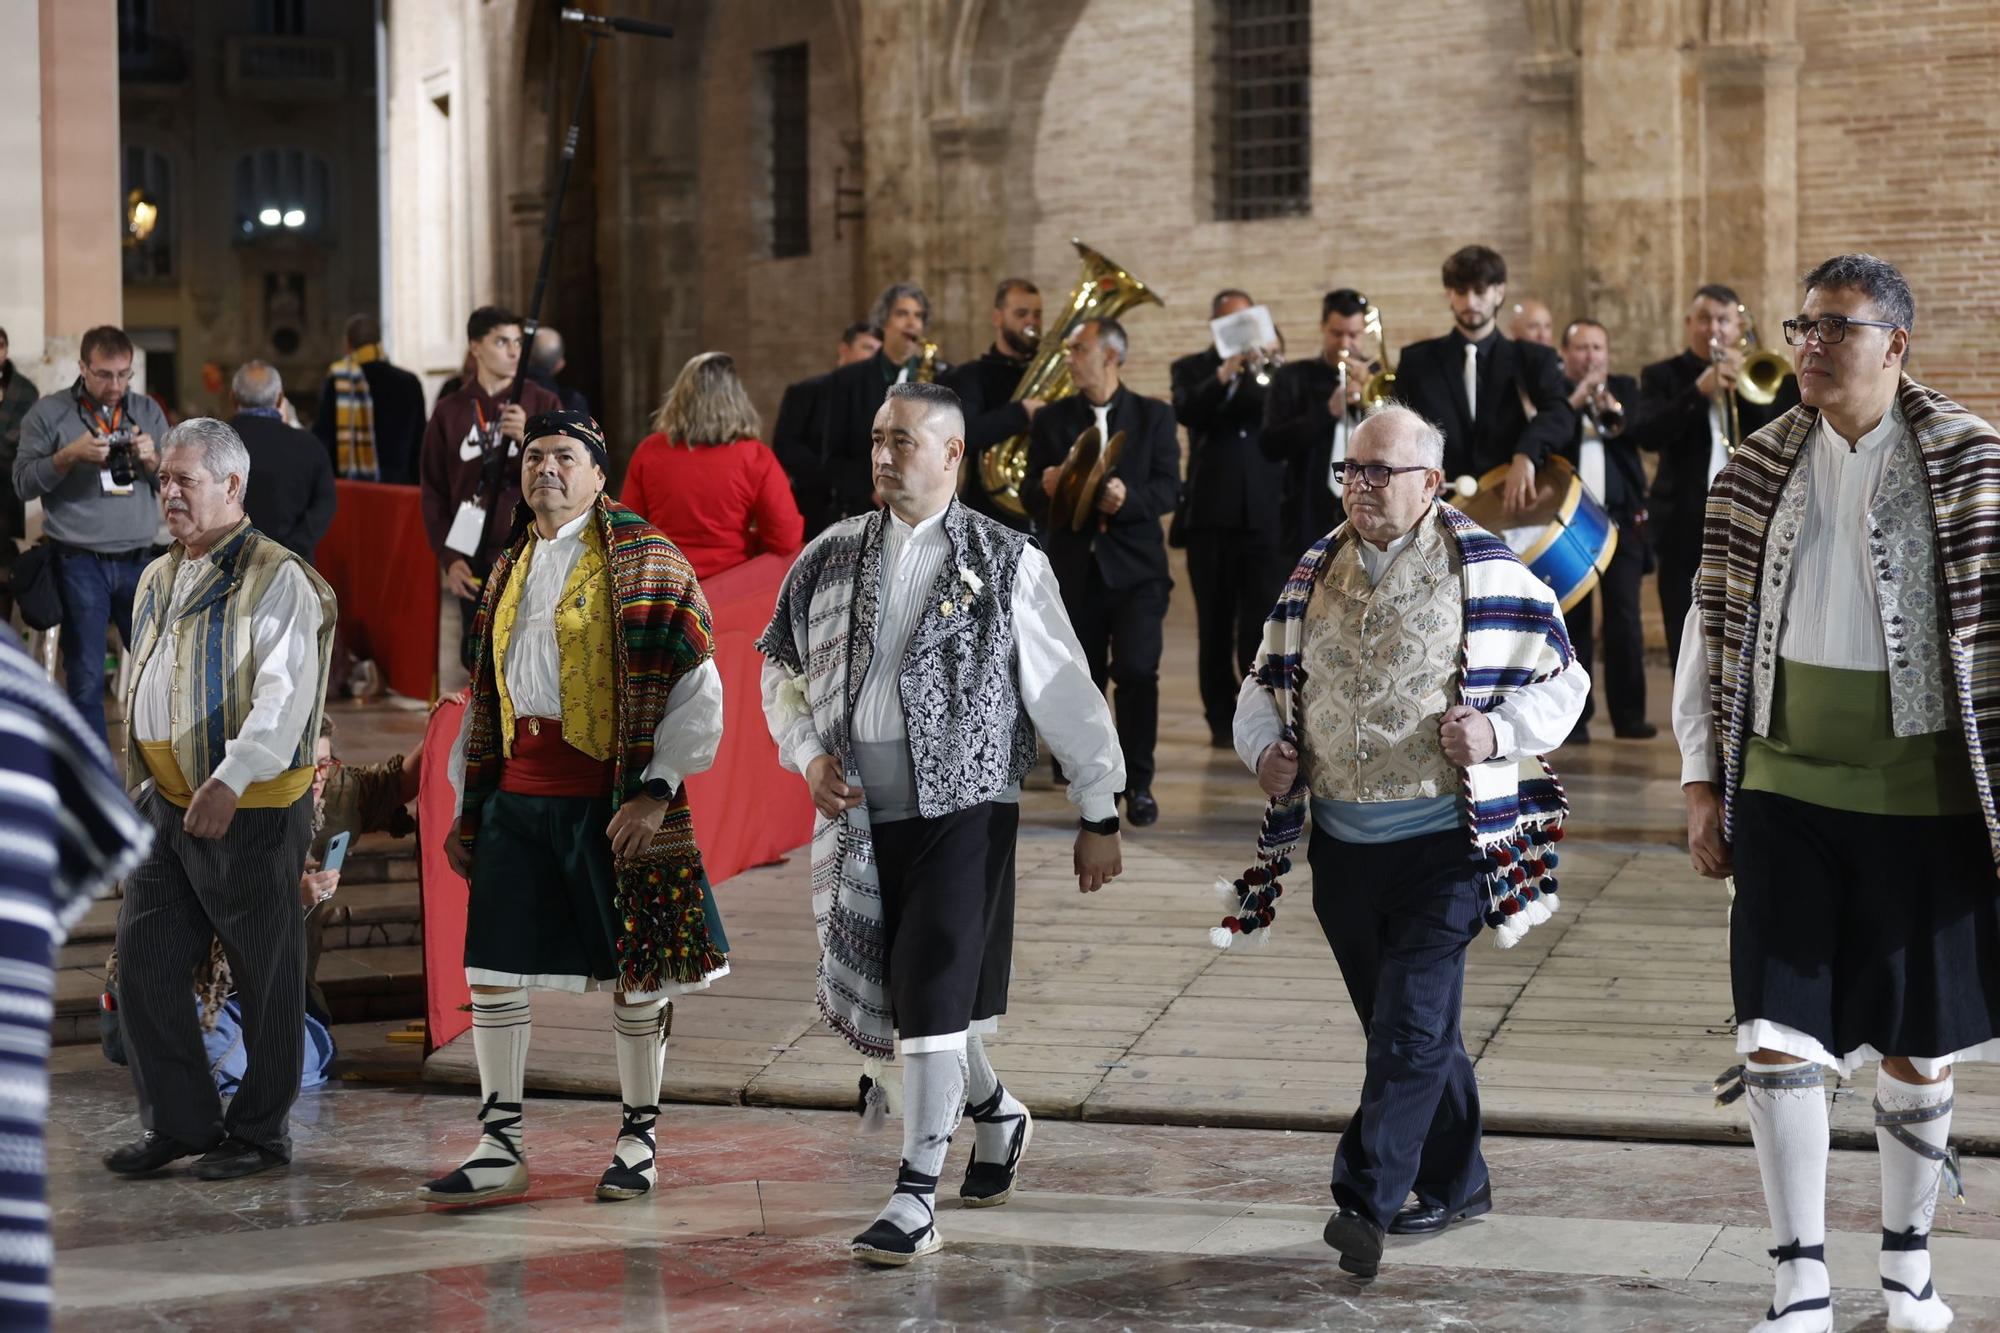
(1106, 290)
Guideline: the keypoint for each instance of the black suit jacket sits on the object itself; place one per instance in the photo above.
(1675, 425)
(400, 419)
(1624, 472)
(290, 498)
(1430, 378)
(797, 438)
(985, 387)
(1231, 482)
(1130, 550)
(1298, 436)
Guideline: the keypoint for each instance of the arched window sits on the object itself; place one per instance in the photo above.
(283, 192)
(149, 245)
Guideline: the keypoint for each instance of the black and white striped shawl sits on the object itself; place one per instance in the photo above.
(1961, 455)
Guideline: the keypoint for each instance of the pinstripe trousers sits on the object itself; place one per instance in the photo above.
(243, 888)
(1399, 916)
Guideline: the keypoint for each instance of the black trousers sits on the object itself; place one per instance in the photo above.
(1399, 916)
(1616, 598)
(1236, 577)
(243, 888)
(1680, 560)
(1121, 630)
(948, 910)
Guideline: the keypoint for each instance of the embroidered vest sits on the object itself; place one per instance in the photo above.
(1381, 666)
(970, 737)
(1902, 552)
(583, 647)
(214, 664)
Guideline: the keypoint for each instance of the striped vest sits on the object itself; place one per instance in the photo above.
(214, 654)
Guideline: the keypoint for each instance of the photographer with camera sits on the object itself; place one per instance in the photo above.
(88, 453)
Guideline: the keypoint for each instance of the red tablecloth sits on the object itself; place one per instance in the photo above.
(747, 810)
(380, 565)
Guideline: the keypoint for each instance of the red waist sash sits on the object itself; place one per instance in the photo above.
(543, 764)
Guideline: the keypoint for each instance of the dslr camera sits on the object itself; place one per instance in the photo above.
(119, 463)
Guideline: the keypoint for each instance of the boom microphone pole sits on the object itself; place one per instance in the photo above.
(596, 28)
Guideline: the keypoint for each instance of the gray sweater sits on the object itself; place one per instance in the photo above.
(77, 510)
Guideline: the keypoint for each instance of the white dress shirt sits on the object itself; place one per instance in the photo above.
(1534, 719)
(1718, 443)
(284, 635)
(1055, 685)
(687, 735)
(1590, 457)
(1831, 616)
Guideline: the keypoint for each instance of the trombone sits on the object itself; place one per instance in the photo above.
(1381, 385)
(1759, 377)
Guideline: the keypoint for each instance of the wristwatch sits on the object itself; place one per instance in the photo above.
(1103, 828)
(659, 789)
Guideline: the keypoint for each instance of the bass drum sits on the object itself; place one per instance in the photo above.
(1565, 538)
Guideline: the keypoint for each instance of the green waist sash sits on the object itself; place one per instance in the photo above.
(1832, 743)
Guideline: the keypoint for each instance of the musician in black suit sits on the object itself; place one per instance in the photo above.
(1682, 423)
(1113, 573)
(1496, 428)
(1308, 417)
(1236, 559)
(1601, 450)
(986, 387)
(801, 428)
(854, 394)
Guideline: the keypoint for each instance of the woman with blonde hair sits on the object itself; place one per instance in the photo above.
(704, 477)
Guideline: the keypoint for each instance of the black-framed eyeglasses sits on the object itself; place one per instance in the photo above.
(1829, 329)
(1377, 475)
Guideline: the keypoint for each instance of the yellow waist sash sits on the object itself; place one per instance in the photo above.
(271, 794)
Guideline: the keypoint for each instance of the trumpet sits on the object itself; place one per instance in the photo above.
(1264, 362)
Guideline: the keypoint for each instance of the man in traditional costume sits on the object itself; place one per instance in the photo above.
(1411, 673)
(593, 697)
(1837, 703)
(229, 645)
(913, 654)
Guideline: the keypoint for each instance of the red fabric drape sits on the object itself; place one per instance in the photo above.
(379, 562)
(747, 810)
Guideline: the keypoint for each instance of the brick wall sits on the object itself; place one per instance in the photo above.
(1897, 132)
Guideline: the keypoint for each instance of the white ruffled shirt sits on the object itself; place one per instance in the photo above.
(1055, 685)
(1832, 618)
(284, 635)
(688, 734)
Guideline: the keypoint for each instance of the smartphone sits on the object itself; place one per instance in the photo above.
(336, 851)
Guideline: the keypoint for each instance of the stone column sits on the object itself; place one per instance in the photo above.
(1750, 174)
(82, 278)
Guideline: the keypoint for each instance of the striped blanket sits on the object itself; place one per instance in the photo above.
(354, 416)
(823, 635)
(1514, 809)
(1961, 455)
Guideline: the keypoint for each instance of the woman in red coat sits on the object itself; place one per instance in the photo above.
(704, 477)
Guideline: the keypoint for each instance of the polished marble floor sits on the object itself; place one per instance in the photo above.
(1116, 1226)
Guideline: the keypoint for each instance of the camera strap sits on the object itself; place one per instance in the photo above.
(93, 415)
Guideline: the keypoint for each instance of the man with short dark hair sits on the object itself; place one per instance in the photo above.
(986, 386)
(1683, 424)
(294, 498)
(1312, 408)
(371, 413)
(1836, 704)
(1107, 551)
(853, 393)
(1501, 403)
(547, 359)
(1236, 561)
(799, 435)
(471, 472)
(89, 454)
(913, 854)
(1604, 456)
